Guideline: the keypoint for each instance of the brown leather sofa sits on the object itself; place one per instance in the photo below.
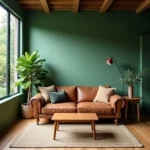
(81, 101)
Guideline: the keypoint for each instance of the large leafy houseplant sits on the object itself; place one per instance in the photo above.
(30, 71)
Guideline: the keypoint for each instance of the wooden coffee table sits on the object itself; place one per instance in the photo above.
(74, 117)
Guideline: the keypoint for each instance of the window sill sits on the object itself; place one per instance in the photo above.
(10, 98)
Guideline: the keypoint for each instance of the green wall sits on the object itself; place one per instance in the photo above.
(76, 46)
(10, 107)
(145, 47)
(10, 111)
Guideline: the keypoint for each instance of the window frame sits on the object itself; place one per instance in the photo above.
(8, 37)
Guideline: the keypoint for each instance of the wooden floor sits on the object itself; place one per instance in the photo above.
(140, 130)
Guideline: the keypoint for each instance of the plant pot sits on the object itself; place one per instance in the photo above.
(130, 91)
(26, 111)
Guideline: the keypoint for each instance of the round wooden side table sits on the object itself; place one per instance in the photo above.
(133, 99)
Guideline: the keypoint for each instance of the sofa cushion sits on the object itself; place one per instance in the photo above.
(103, 94)
(45, 92)
(58, 97)
(71, 92)
(68, 107)
(87, 94)
(98, 108)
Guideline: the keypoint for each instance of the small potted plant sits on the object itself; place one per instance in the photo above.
(129, 78)
(31, 74)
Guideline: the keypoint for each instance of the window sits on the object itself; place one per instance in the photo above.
(9, 51)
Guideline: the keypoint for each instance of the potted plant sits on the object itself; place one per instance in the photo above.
(30, 73)
(131, 78)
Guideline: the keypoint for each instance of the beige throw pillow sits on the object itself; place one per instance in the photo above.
(45, 92)
(103, 94)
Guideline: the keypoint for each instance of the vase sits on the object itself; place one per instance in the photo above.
(27, 111)
(130, 91)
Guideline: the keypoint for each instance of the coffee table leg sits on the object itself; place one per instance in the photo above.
(57, 126)
(94, 133)
(91, 126)
(55, 129)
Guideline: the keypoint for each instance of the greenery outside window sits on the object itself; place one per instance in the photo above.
(9, 51)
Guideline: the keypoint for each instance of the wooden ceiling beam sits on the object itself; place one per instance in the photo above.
(76, 6)
(45, 6)
(143, 7)
(106, 4)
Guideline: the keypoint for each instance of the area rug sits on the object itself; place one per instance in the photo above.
(75, 135)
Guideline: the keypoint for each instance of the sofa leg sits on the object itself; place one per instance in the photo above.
(37, 121)
(116, 121)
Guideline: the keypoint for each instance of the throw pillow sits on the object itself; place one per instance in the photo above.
(58, 97)
(45, 92)
(103, 94)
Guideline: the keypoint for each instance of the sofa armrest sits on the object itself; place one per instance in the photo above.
(117, 103)
(37, 102)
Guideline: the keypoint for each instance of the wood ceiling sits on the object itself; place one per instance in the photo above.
(76, 5)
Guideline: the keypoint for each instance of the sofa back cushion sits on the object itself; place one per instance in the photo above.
(71, 92)
(87, 93)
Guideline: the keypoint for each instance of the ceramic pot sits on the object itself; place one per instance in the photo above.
(26, 111)
(130, 91)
